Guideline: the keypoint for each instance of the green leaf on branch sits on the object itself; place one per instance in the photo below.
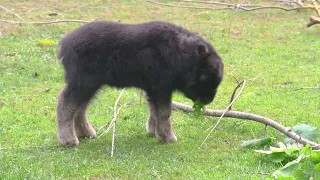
(316, 171)
(304, 170)
(291, 169)
(277, 157)
(198, 107)
(267, 141)
(280, 154)
(301, 162)
(281, 177)
(315, 156)
(305, 131)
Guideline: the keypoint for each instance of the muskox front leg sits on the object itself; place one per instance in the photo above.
(159, 122)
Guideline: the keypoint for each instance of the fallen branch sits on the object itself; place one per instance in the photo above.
(248, 7)
(313, 20)
(46, 22)
(308, 6)
(229, 6)
(245, 7)
(249, 116)
(316, 7)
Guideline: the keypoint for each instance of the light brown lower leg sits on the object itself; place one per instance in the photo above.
(151, 123)
(66, 110)
(163, 124)
(81, 123)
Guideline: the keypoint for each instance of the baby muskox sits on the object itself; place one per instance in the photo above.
(157, 57)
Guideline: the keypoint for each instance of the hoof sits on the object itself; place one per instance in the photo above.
(171, 138)
(89, 133)
(70, 142)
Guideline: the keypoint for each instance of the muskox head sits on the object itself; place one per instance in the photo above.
(202, 81)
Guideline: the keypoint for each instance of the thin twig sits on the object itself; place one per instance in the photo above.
(288, 2)
(47, 22)
(234, 100)
(187, 7)
(14, 14)
(231, 20)
(27, 147)
(306, 88)
(254, 117)
(2, 7)
(224, 4)
(253, 79)
(209, 2)
(112, 124)
(107, 130)
(230, 6)
(234, 70)
(269, 7)
(236, 79)
(234, 92)
(265, 131)
(115, 114)
(113, 138)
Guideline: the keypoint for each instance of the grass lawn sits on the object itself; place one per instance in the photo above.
(272, 49)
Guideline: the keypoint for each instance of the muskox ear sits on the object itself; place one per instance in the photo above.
(203, 50)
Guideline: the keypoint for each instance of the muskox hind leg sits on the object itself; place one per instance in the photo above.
(71, 116)
(66, 110)
(81, 123)
(159, 123)
(151, 123)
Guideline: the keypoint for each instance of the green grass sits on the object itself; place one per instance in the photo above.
(272, 49)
